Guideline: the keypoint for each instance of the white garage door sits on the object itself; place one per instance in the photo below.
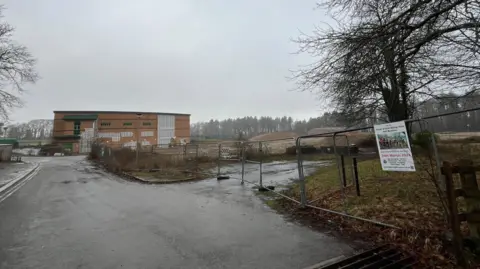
(166, 129)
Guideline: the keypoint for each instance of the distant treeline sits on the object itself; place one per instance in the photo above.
(252, 126)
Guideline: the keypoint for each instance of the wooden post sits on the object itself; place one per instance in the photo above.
(355, 174)
(344, 176)
(453, 214)
(471, 194)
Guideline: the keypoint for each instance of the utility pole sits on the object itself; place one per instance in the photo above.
(139, 115)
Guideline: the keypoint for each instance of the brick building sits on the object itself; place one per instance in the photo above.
(77, 130)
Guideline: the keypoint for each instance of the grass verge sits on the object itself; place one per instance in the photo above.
(408, 200)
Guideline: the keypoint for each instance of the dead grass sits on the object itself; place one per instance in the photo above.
(167, 176)
(397, 198)
(458, 136)
(407, 200)
(166, 165)
(276, 135)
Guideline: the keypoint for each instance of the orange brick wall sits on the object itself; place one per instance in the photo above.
(116, 125)
(116, 121)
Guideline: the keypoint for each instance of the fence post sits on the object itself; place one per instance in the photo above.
(468, 179)
(440, 178)
(260, 148)
(339, 169)
(454, 220)
(137, 152)
(197, 164)
(261, 174)
(243, 162)
(301, 176)
(344, 176)
(219, 159)
(355, 175)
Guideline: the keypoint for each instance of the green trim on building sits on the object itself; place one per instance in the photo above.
(67, 146)
(59, 137)
(81, 117)
(8, 141)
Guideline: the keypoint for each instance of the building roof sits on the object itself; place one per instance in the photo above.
(116, 112)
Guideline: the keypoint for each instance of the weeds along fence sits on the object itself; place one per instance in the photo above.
(199, 160)
(128, 158)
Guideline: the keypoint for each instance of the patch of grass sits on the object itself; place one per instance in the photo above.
(269, 198)
(403, 199)
(272, 203)
(408, 200)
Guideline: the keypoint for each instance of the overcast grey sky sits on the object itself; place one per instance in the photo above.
(210, 58)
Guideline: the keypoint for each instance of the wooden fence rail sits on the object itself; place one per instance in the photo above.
(470, 192)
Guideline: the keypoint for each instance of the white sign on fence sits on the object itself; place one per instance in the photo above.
(394, 147)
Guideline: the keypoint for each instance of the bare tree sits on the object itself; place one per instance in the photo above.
(386, 57)
(17, 67)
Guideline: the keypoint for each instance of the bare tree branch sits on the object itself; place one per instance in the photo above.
(17, 67)
(388, 56)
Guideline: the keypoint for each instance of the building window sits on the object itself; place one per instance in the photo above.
(147, 123)
(146, 133)
(127, 124)
(76, 128)
(126, 134)
(104, 123)
(108, 135)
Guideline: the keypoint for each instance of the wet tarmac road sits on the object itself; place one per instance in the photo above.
(73, 216)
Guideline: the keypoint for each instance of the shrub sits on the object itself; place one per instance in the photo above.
(368, 142)
(423, 139)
